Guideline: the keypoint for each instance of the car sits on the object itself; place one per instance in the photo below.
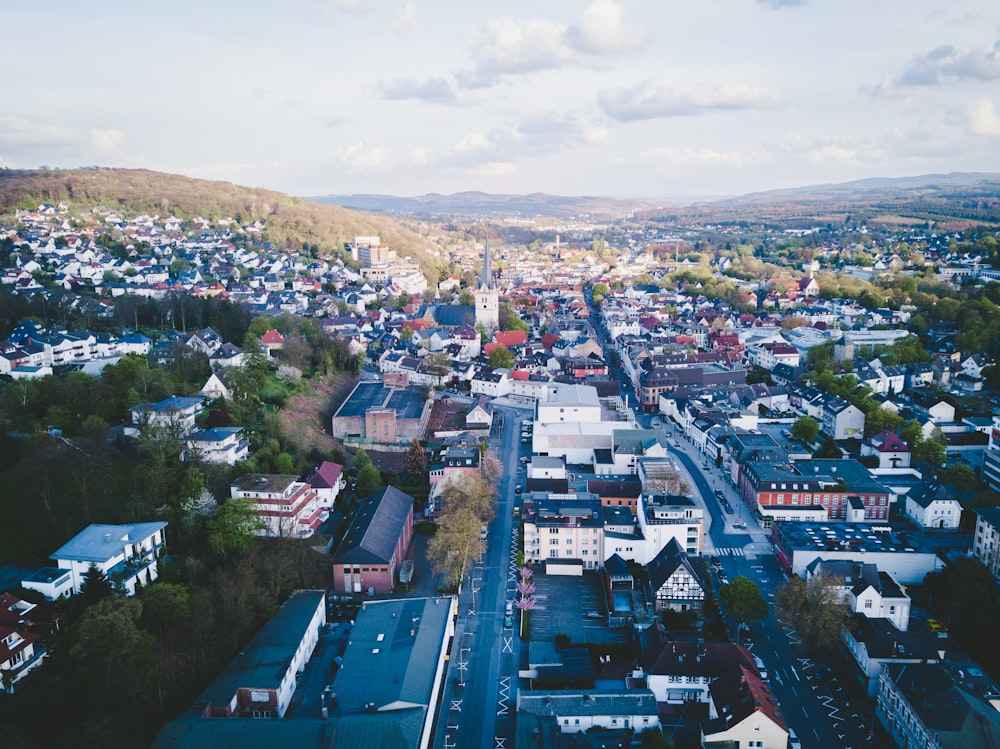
(723, 580)
(793, 740)
(719, 495)
(593, 615)
(508, 621)
(760, 667)
(517, 490)
(517, 511)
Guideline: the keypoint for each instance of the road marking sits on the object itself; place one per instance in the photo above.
(504, 696)
(794, 672)
(501, 742)
(508, 645)
(456, 705)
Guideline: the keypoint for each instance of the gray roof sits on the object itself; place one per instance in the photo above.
(392, 657)
(99, 543)
(376, 529)
(266, 658)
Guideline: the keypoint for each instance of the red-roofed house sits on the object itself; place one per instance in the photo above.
(808, 286)
(272, 341)
(891, 451)
(510, 338)
(549, 340)
(327, 480)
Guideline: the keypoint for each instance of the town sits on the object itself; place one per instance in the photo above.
(616, 484)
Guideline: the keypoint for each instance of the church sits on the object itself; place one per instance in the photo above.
(487, 296)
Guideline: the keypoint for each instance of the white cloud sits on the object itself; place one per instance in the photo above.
(945, 64)
(779, 4)
(107, 143)
(432, 90)
(602, 30)
(983, 118)
(405, 17)
(355, 7)
(832, 151)
(494, 169)
(656, 98)
(700, 156)
(18, 130)
(364, 158)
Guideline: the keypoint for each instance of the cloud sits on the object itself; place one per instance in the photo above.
(432, 90)
(404, 18)
(982, 118)
(830, 150)
(107, 143)
(335, 121)
(700, 156)
(363, 158)
(602, 30)
(20, 131)
(943, 64)
(656, 98)
(779, 4)
(355, 7)
(494, 169)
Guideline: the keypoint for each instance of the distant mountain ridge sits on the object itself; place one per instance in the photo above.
(474, 204)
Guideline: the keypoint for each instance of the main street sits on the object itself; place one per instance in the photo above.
(481, 690)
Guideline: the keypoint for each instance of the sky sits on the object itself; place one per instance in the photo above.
(624, 98)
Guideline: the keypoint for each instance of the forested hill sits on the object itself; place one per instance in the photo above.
(290, 221)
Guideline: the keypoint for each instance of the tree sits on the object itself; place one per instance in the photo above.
(815, 608)
(805, 429)
(455, 544)
(473, 493)
(742, 600)
(502, 357)
(406, 334)
(233, 528)
(416, 459)
(369, 480)
(598, 292)
(882, 419)
(491, 468)
(929, 452)
(829, 449)
(112, 647)
(963, 594)
(95, 586)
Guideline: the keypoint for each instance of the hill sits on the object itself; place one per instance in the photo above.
(291, 222)
(486, 205)
(944, 201)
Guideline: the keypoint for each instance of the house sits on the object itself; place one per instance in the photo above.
(214, 388)
(890, 450)
(842, 420)
(377, 412)
(480, 415)
(930, 505)
(260, 681)
(677, 582)
(285, 506)
(564, 528)
(865, 589)
(986, 542)
(24, 628)
(547, 718)
(227, 355)
(272, 341)
(455, 461)
(934, 706)
(125, 554)
(216, 445)
(372, 551)
(175, 414)
(327, 480)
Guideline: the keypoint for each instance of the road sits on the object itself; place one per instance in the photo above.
(481, 691)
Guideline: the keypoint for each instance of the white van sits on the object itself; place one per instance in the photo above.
(760, 667)
(793, 740)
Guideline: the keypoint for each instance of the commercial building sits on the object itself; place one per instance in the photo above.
(285, 506)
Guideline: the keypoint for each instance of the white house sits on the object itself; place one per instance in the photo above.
(285, 506)
(125, 554)
(890, 450)
(216, 445)
(932, 506)
(866, 590)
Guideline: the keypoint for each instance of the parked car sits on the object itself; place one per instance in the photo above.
(760, 667)
(719, 495)
(517, 490)
(593, 615)
(793, 740)
(508, 621)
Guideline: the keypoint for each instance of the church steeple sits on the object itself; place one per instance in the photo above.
(486, 279)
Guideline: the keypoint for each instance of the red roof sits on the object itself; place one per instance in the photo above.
(549, 340)
(511, 338)
(325, 475)
(519, 374)
(272, 336)
(417, 324)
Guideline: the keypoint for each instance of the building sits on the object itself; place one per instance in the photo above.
(662, 517)
(890, 450)
(986, 542)
(379, 413)
(677, 582)
(865, 589)
(260, 681)
(569, 403)
(563, 527)
(549, 719)
(487, 295)
(904, 554)
(216, 445)
(455, 461)
(842, 420)
(930, 505)
(285, 506)
(372, 551)
(125, 554)
(327, 480)
(24, 628)
(174, 413)
(928, 705)
(991, 458)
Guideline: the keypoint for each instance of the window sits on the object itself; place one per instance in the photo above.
(868, 603)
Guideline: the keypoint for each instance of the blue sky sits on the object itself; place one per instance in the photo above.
(609, 97)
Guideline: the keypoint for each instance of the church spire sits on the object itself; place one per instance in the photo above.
(486, 280)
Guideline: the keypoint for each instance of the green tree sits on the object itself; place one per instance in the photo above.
(455, 544)
(406, 334)
(960, 477)
(369, 480)
(599, 291)
(805, 429)
(233, 528)
(929, 452)
(114, 649)
(828, 449)
(416, 459)
(95, 586)
(881, 419)
(502, 357)
(963, 595)
(815, 608)
(742, 600)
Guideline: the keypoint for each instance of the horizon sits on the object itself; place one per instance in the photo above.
(411, 97)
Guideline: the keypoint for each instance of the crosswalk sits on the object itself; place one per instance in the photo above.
(729, 551)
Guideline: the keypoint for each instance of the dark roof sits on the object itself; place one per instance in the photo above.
(376, 529)
(454, 315)
(664, 564)
(630, 488)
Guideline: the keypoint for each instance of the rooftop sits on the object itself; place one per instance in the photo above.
(99, 543)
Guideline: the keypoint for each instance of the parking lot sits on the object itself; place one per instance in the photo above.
(563, 604)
